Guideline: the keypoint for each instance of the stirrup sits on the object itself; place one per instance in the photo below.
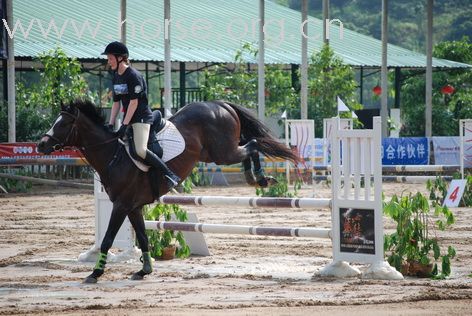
(172, 182)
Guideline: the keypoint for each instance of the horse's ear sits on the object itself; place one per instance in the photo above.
(63, 106)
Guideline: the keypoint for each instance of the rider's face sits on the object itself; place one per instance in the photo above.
(112, 61)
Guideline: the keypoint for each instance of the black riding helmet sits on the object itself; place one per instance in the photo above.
(116, 48)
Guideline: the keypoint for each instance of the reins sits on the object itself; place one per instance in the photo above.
(73, 130)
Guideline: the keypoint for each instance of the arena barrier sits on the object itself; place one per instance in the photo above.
(356, 209)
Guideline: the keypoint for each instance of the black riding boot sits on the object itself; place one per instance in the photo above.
(156, 162)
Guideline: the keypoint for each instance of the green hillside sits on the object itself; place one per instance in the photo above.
(407, 19)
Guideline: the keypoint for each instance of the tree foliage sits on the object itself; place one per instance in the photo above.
(329, 77)
(447, 109)
(406, 19)
(38, 104)
(239, 83)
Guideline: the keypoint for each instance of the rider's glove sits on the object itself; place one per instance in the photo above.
(122, 131)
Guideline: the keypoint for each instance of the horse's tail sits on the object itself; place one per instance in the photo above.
(252, 128)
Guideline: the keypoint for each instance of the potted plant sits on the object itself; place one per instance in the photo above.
(166, 244)
(413, 248)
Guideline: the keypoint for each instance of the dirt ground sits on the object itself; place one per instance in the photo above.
(43, 232)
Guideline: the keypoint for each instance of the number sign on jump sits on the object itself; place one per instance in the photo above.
(455, 192)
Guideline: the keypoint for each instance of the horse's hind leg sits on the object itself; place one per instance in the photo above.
(137, 221)
(261, 179)
(257, 177)
(248, 174)
(116, 220)
(248, 149)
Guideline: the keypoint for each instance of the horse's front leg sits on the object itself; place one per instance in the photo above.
(117, 218)
(137, 221)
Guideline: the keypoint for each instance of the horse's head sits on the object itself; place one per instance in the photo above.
(62, 133)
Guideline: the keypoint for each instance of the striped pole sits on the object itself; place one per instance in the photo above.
(246, 201)
(240, 229)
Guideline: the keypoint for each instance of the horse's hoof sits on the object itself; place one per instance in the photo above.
(93, 278)
(263, 183)
(139, 275)
(90, 280)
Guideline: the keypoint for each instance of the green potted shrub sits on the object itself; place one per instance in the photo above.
(413, 248)
(167, 243)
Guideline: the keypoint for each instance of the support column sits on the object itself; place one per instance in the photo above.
(304, 65)
(383, 75)
(398, 84)
(261, 65)
(11, 79)
(182, 84)
(429, 71)
(167, 62)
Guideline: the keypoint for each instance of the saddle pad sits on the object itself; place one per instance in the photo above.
(171, 141)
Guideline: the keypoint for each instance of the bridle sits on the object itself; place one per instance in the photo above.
(61, 145)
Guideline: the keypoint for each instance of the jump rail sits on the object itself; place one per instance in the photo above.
(246, 201)
(241, 229)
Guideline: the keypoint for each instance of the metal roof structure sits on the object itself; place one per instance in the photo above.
(200, 31)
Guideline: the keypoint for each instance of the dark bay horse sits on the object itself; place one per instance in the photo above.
(217, 131)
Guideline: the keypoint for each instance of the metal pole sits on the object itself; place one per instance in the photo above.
(261, 63)
(182, 84)
(361, 84)
(398, 81)
(11, 79)
(383, 75)
(429, 70)
(167, 62)
(325, 20)
(304, 65)
(123, 21)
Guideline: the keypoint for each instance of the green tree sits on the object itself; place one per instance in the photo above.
(447, 109)
(329, 77)
(239, 83)
(39, 104)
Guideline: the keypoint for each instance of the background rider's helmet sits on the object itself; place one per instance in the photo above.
(117, 49)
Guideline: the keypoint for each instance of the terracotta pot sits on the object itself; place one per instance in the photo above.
(419, 270)
(168, 253)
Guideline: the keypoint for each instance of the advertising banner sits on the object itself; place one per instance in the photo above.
(405, 151)
(30, 151)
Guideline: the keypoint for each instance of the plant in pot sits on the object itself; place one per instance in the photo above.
(413, 248)
(166, 244)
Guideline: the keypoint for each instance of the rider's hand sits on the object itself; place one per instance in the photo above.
(121, 132)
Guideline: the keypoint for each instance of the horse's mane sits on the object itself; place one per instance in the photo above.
(89, 109)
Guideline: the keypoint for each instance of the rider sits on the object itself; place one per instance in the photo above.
(130, 88)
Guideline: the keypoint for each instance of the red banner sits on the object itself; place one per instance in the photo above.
(29, 151)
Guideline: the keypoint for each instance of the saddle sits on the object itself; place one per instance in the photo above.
(158, 123)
